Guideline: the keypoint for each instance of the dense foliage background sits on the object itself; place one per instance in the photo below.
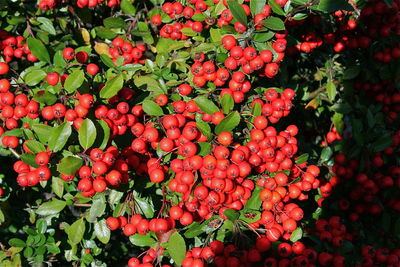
(194, 133)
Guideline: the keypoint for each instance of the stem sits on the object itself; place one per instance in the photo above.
(86, 205)
(15, 153)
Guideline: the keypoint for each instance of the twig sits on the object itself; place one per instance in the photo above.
(15, 153)
(82, 205)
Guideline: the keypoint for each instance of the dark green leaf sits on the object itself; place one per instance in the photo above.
(87, 134)
(228, 123)
(112, 87)
(74, 81)
(69, 165)
(381, 144)
(238, 12)
(231, 214)
(152, 108)
(274, 23)
(326, 154)
(276, 8)
(29, 158)
(177, 248)
(114, 22)
(206, 105)
(330, 6)
(51, 207)
(38, 49)
(351, 72)
(59, 136)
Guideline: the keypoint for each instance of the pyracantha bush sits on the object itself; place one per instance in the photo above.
(200, 133)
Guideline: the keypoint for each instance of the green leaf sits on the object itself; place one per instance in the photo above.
(296, 234)
(331, 90)
(227, 103)
(276, 8)
(330, 6)
(250, 216)
(188, 31)
(51, 207)
(42, 131)
(263, 37)
(381, 144)
(177, 248)
(254, 202)
(151, 108)
(69, 165)
(16, 242)
(35, 146)
(114, 22)
(46, 25)
(256, 111)
(74, 81)
(59, 136)
(205, 148)
(274, 23)
(238, 12)
(57, 185)
(34, 77)
(231, 214)
(228, 123)
(206, 105)
(127, 7)
(204, 128)
(256, 6)
(87, 134)
(41, 225)
(112, 87)
(103, 132)
(198, 17)
(76, 230)
(215, 35)
(102, 232)
(326, 154)
(29, 158)
(301, 159)
(145, 206)
(195, 230)
(38, 49)
(142, 240)
(150, 83)
(97, 209)
(351, 72)
(107, 61)
(337, 120)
